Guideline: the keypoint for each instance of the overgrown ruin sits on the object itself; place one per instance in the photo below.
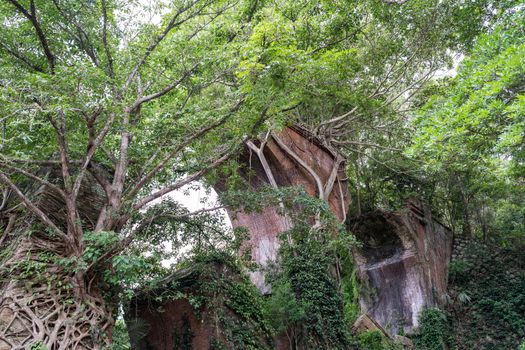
(293, 157)
(209, 305)
(403, 264)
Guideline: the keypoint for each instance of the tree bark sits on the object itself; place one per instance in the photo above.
(46, 297)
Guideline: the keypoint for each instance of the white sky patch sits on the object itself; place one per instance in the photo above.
(193, 197)
(444, 73)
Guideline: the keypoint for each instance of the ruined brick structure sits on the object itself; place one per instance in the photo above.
(403, 264)
(293, 157)
(197, 308)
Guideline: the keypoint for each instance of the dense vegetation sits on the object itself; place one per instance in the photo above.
(109, 106)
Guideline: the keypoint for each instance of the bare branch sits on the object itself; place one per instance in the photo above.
(397, 2)
(10, 224)
(336, 119)
(37, 161)
(302, 163)
(411, 86)
(151, 220)
(328, 187)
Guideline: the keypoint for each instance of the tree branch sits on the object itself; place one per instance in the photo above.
(124, 243)
(296, 158)
(172, 154)
(32, 207)
(328, 187)
(180, 147)
(32, 17)
(22, 58)
(64, 161)
(36, 178)
(162, 92)
(91, 151)
(158, 39)
(188, 179)
(109, 57)
(336, 119)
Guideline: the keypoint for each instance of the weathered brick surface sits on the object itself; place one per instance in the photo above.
(402, 263)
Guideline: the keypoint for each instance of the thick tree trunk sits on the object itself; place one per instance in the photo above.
(45, 297)
(50, 311)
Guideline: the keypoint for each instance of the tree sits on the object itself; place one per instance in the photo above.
(472, 133)
(97, 100)
(355, 73)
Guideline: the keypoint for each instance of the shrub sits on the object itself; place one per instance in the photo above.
(433, 332)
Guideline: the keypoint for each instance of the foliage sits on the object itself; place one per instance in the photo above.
(471, 136)
(433, 331)
(374, 340)
(458, 270)
(306, 266)
(491, 282)
(283, 310)
(38, 346)
(348, 285)
(307, 304)
(120, 336)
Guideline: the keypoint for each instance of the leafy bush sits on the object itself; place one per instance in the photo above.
(120, 336)
(457, 270)
(371, 340)
(433, 332)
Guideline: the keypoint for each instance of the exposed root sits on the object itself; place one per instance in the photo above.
(39, 303)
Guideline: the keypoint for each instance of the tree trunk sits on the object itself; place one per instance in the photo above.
(41, 303)
(45, 297)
